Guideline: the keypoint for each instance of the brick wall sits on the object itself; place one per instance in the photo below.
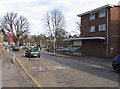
(95, 48)
(119, 30)
(114, 32)
(86, 23)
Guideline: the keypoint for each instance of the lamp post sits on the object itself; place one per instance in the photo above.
(54, 40)
(10, 42)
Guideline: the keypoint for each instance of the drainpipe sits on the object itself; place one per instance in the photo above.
(107, 45)
(107, 48)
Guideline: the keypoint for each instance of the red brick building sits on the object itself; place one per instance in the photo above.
(100, 31)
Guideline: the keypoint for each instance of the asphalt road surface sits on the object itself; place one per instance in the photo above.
(52, 71)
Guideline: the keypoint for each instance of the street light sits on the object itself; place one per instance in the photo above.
(54, 43)
(10, 42)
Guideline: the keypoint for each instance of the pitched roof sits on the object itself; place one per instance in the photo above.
(94, 10)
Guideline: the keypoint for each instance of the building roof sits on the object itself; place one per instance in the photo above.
(84, 38)
(94, 10)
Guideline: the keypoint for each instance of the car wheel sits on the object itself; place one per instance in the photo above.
(25, 55)
(38, 56)
(117, 68)
(29, 56)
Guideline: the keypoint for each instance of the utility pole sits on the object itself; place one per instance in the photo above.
(10, 41)
(54, 40)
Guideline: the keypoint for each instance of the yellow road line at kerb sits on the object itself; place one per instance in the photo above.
(34, 80)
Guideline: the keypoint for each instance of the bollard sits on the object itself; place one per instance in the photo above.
(13, 59)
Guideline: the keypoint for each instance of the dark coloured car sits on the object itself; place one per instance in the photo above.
(116, 63)
(69, 50)
(16, 48)
(63, 50)
(34, 52)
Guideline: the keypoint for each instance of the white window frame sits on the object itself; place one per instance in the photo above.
(92, 16)
(102, 27)
(92, 29)
(102, 13)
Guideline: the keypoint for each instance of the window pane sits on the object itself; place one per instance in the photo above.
(102, 27)
(92, 16)
(92, 29)
(102, 13)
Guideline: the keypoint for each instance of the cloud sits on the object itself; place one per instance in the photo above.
(34, 10)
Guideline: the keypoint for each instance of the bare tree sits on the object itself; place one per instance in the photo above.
(78, 25)
(8, 21)
(54, 21)
(19, 26)
(60, 35)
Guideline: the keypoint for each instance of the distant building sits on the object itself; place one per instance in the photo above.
(100, 31)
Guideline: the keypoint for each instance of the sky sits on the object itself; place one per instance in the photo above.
(35, 10)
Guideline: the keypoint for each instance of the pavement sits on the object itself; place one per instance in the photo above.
(11, 74)
(92, 60)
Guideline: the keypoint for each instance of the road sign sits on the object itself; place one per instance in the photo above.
(11, 37)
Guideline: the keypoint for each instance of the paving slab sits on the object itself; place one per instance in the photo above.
(11, 76)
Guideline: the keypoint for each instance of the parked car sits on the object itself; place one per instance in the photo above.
(24, 47)
(16, 48)
(33, 52)
(116, 63)
(65, 50)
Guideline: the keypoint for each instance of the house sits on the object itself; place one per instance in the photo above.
(100, 31)
(1, 42)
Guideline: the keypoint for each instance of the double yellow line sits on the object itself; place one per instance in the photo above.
(28, 74)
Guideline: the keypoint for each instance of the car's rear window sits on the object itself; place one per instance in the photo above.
(34, 50)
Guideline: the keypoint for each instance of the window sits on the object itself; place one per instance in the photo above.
(92, 16)
(92, 29)
(102, 13)
(102, 27)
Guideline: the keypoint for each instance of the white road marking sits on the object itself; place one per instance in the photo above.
(33, 68)
(49, 68)
(54, 67)
(62, 67)
(41, 69)
(58, 67)
(36, 70)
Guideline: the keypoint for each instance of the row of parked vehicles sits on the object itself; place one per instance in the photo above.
(68, 50)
